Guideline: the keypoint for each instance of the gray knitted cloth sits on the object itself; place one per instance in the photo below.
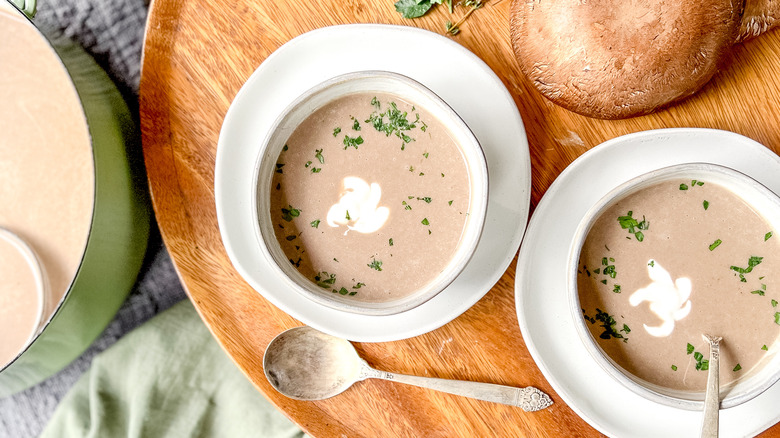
(112, 32)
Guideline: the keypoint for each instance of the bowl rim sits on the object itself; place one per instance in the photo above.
(475, 222)
(758, 382)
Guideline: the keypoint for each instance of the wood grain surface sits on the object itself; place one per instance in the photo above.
(198, 53)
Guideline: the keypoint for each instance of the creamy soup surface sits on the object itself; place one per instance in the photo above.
(370, 197)
(46, 177)
(673, 261)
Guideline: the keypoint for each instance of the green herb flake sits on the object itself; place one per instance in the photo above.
(626, 329)
(318, 156)
(308, 163)
(604, 281)
(421, 174)
(689, 348)
(777, 318)
(358, 286)
(765, 348)
(316, 169)
(289, 213)
(757, 292)
(348, 218)
(449, 203)
(352, 142)
(390, 241)
(651, 263)
(284, 149)
(683, 187)
(290, 238)
(411, 168)
(315, 223)
(426, 199)
(715, 244)
(752, 263)
(737, 368)
(706, 204)
(616, 289)
(767, 236)
(425, 155)
(628, 222)
(279, 167)
(336, 131)
(343, 291)
(375, 264)
(325, 280)
(674, 367)
(425, 221)
(699, 183)
(774, 303)
(608, 324)
(413, 8)
(355, 124)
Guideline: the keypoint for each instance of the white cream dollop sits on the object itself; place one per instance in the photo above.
(358, 207)
(668, 300)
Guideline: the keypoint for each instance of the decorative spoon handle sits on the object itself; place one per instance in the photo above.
(709, 427)
(529, 399)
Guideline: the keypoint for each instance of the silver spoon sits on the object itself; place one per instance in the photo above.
(305, 364)
(709, 427)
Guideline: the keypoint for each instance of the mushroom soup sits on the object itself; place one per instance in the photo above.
(370, 197)
(46, 178)
(671, 262)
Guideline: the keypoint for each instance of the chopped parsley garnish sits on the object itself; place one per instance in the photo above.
(355, 125)
(706, 204)
(348, 218)
(407, 206)
(683, 187)
(358, 286)
(715, 244)
(765, 348)
(411, 168)
(697, 183)
(284, 149)
(318, 156)
(425, 155)
(425, 221)
(674, 367)
(426, 199)
(316, 169)
(777, 318)
(752, 263)
(308, 163)
(296, 264)
(290, 238)
(325, 280)
(616, 289)
(315, 223)
(421, 174)
(390, 241)
(737, 368)
(701, 363)
(774, 303)
(651, 263)
(352, 142)
(626, 329)
(289, 213)
(689, 348)
(375, 264)
(397, 123)
(336, 131)
(604, 281)
(279, 167)
(767, 236)
(449, 203)
(633, 226)
(608, 324)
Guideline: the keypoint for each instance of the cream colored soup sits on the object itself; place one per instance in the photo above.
(370, 197)
(671, 262)
(46, 177)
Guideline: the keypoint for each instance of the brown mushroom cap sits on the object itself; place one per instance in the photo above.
(621, 58)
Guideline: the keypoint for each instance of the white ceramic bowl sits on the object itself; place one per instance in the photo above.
(317, 97)
(762, 200)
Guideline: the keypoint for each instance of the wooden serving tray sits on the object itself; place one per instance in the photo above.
(198, 54)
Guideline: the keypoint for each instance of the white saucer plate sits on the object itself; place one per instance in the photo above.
(459, 77)
(540, 287)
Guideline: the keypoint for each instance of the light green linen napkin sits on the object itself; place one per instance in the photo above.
(168, 378)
